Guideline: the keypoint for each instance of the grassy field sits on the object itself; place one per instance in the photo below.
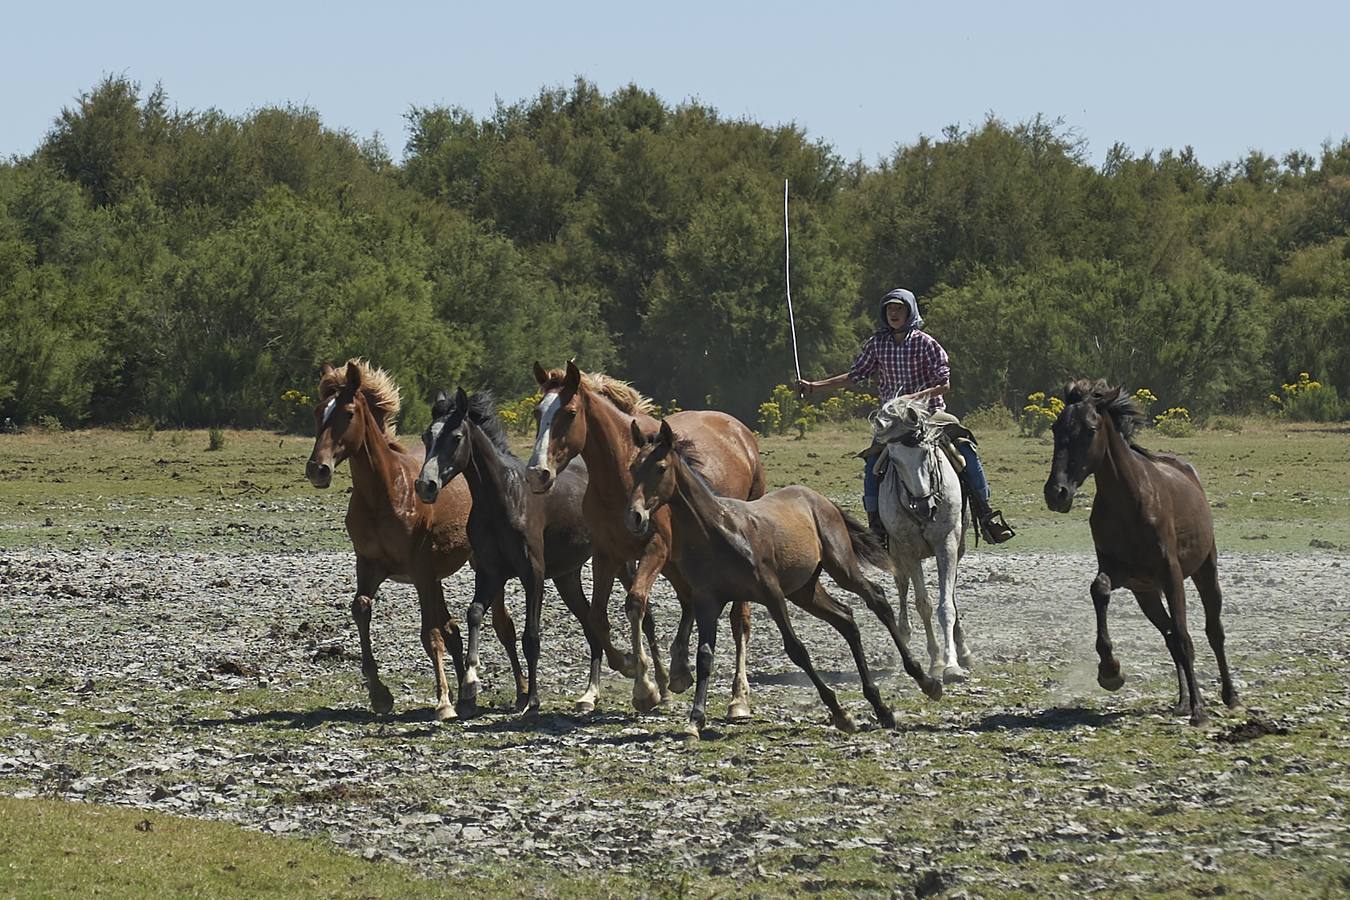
(1021, 782)
(1273, 486)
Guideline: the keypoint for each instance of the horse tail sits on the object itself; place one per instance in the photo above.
(866, 545)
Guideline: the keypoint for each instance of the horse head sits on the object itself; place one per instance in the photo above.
(446, 443)
(1080, 432)
(561, 425)
(911, 446)
(653, 471)
(344, 416)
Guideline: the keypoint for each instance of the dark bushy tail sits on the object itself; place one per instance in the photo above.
(866, 545)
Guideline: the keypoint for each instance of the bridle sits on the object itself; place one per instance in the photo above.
(918, 435)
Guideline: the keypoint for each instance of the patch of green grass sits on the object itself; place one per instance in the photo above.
(1274, 486)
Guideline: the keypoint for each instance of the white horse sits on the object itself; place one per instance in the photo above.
(922, 510)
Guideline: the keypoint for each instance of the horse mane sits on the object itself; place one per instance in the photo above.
(689, 453)
(622, 394)
(890, 417)
(1123, 409)
(381, 390)
(482, 412)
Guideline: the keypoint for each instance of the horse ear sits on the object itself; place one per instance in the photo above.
(441, 405)
(326, 371)
(353, 375)
(461, 399)
(1111, 396)
(638, 437)
(539, 374)
(666, 436)
(573, 379)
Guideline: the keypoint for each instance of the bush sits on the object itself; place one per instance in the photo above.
(1039, 414)
(1176, 422)
(294, 412)
(215, 439)
(994, 417)
(49, 423)
(1306, 400)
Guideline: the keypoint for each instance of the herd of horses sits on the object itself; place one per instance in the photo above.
(684, 497)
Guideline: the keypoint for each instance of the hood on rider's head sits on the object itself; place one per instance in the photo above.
(900, 295)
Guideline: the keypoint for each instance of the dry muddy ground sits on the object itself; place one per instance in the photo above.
(227, 687)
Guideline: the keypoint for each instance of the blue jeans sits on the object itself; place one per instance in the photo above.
(974, 476)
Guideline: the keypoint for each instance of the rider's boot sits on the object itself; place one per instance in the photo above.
(874, 523)
(992, 525)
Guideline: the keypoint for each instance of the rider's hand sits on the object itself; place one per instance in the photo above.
(804, 386)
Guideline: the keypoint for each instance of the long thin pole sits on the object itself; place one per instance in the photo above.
(787, 281)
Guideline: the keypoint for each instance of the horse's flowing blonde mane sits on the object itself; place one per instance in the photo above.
(892, 419)
(622, 394)
(378, 385)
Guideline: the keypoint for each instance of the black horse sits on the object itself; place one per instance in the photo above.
(514, 532)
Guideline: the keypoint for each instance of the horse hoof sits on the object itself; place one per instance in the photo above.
(1199, 717)
(966, 662)
(529, 711)
(932, 688)
(886, 719)
(681, 679)
(738, 712)
(844, 722)
(382, 702)
(690, 733)
(446, 713)
(953, 675)
(645, 698)
(584, 707)
(1111, 682)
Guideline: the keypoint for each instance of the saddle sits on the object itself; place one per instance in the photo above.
(952, 433)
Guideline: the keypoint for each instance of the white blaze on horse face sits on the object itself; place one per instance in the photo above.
(431, 466)
(328, 408)
(548, 409)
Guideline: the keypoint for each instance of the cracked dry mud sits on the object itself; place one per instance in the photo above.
(228, 687)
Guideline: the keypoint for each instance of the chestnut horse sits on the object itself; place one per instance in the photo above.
(394, 535)
(769, 550)
(589, 415)
(1151, 526)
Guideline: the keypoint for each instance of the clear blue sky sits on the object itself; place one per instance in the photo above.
(1223, 77)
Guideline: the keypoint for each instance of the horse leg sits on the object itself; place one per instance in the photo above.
(1108, 667)
(708, 612)
(486, 584)
(505, 628)
(658, 668)
(738, 710)
(796, 651)
(952, 670)
(1151, 602)
(646, 694)
(368, 581)
(436, 627)
(569, 586)
(902, 605)
(533, 582)
(850, 577)
(1183, 649)
(925, 609)
(681, 675)
(817, 601)
(604, 569)
(1206, 580)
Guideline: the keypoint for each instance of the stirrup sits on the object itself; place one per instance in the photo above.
(995, 529)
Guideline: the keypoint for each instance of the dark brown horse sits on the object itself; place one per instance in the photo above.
(515, 533)
(1151, 526)
(394, 535)
(590, 415)
(769, 550)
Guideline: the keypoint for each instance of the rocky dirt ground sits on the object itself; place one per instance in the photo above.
(227, 687)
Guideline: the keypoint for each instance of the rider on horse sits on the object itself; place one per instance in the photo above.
(907, 361)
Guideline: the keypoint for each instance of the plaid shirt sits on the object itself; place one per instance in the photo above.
(911, 365)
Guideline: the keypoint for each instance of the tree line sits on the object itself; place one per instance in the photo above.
(190, 267)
